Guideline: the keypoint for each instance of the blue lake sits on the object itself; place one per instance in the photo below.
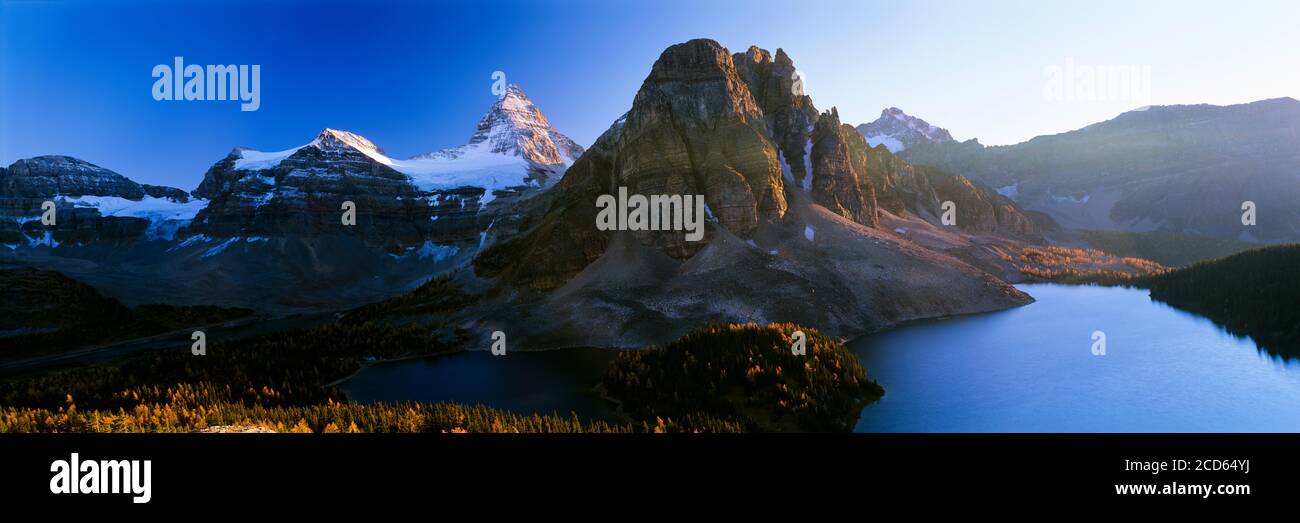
(1032, 369)
(1029, 369)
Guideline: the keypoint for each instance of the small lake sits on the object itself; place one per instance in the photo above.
(1029, 369)
(543, 382)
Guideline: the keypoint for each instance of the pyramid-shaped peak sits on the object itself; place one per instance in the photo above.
(515, 126)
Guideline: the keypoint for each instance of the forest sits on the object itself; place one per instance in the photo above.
(1253, 293)
(747, 374)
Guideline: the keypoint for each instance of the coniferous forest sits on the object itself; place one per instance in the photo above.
(1253, 293)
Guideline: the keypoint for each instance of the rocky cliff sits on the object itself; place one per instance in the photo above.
(793, 233)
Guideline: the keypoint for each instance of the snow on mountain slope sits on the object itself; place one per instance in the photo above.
(898, 130)
(252, 160)
(513, 146)
(165, 215)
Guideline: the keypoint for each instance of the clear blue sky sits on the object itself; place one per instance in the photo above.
(413, 77)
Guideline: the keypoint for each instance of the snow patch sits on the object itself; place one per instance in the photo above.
(46, 239)
(1010, 191)
(165, 215)
(436, 252)
(220, 247)
(891, 143)
(250, 160)
(807, 166)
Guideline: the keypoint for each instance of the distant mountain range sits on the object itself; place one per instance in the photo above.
(260, 221)
(1181, 169)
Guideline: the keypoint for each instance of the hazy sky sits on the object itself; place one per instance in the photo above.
(414, 77)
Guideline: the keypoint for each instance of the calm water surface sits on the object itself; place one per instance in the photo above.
(1029, 369)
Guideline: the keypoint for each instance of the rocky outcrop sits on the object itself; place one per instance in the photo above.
(694, 128)
(778, 89)
(982, 211)
(840, 182)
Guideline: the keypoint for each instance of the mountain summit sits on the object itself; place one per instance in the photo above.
(515, 126)
(898, 130)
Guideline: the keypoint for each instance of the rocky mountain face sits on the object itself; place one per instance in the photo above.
(302, 195)
(1177, 169)
(840, 182)
(982, 211)
(733, 128)
(92, 204)
(897, 131)
(775, 87)
(793, 235)
(694, 128)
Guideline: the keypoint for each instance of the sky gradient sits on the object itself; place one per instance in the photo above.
(415, 77)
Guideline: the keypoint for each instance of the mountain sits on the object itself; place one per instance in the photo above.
(793, 198)
(515, 127)
(1183, 169)
(264, 229)
(93, 204)
(897, 131)
(439, 197)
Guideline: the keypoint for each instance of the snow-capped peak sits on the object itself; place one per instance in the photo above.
(334, 138)
(514, 146)
(898, 130)
(515, 126)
